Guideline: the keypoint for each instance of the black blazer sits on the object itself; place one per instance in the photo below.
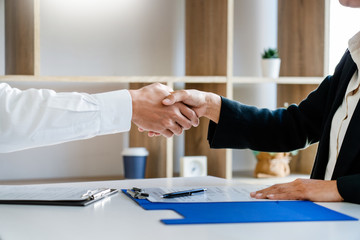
(283, 130)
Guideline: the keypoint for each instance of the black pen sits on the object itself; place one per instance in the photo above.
(183, 193)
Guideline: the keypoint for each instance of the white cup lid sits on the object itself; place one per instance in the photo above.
(136, 151)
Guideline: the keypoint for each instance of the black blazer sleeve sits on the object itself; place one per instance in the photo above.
(349, 188)
(281, 130)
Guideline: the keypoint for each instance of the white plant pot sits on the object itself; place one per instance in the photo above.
(270, 67)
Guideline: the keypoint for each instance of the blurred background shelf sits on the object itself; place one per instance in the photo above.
(248, 177)
(211, 59)
(162, 79)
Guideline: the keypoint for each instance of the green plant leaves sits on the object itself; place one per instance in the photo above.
(270, 53)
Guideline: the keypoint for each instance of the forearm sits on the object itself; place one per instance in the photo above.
(34, 118)
(242, 126)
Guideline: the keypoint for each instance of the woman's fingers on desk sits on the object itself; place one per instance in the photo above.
(301, 189)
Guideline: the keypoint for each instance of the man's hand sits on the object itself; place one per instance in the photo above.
(149, 114)
(302, 189)
(205, 104)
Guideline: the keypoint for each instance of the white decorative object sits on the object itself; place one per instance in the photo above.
(193, 166)
(270, 67)
(270, 63)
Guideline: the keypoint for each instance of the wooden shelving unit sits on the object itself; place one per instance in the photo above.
(209, 66)
(163, 79)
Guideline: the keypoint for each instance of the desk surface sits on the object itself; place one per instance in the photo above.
(119, 217)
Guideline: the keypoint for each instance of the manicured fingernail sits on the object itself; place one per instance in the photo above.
(270, 196)
(259, 195)
(166, 100)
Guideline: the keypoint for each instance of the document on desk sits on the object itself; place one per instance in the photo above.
(232, 204)
(240, 193)
(53, 195)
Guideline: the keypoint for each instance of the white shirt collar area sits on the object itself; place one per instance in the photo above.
(354, 48)
(343, 115)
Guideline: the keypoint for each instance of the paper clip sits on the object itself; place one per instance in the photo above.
(96, 194)
(137, 193)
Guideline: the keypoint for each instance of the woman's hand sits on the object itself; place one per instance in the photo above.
(205, 104)
(301, 189)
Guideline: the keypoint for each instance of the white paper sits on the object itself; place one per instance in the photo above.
(42, 193)
(240, 193)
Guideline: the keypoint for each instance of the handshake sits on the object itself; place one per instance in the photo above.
(158, 110)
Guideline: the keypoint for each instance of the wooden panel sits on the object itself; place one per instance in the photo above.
(301, 37)
(301, 49)
(206, 54)
(303, 162)
(293, 93)
(156, 162)
(196, 138)
(206, 37)
(19, 37)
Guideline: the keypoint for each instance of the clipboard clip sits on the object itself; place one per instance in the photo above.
(96, 194)
(137, 193)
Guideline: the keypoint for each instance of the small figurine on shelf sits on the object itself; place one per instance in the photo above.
(271, 164)
(270, 63)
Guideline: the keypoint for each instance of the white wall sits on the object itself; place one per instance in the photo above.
(110, 37)
(341, 31)
(255, 28)
(128, 37)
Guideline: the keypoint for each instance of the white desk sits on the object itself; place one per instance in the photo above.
(119, 217)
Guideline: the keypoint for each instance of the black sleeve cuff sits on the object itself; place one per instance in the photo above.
(218, 136)
(349, 188)
(211, 131)
(228, 133)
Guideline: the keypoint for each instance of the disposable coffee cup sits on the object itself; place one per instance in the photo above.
(135, 162)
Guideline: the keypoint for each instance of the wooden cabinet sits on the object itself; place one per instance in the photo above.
(209, 65)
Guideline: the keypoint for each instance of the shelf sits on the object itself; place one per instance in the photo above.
(113, 79)
(280, 80)
(162, 79)
(247, 177)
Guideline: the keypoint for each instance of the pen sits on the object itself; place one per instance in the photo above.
(183, 193)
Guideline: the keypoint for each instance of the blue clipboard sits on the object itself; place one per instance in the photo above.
(244, 212)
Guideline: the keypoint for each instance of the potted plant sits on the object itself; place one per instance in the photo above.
(270, 63)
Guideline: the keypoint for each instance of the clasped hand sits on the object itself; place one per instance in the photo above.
(149, 114)
(178, 110)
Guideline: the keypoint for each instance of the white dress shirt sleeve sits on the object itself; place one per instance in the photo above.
(34, 118)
